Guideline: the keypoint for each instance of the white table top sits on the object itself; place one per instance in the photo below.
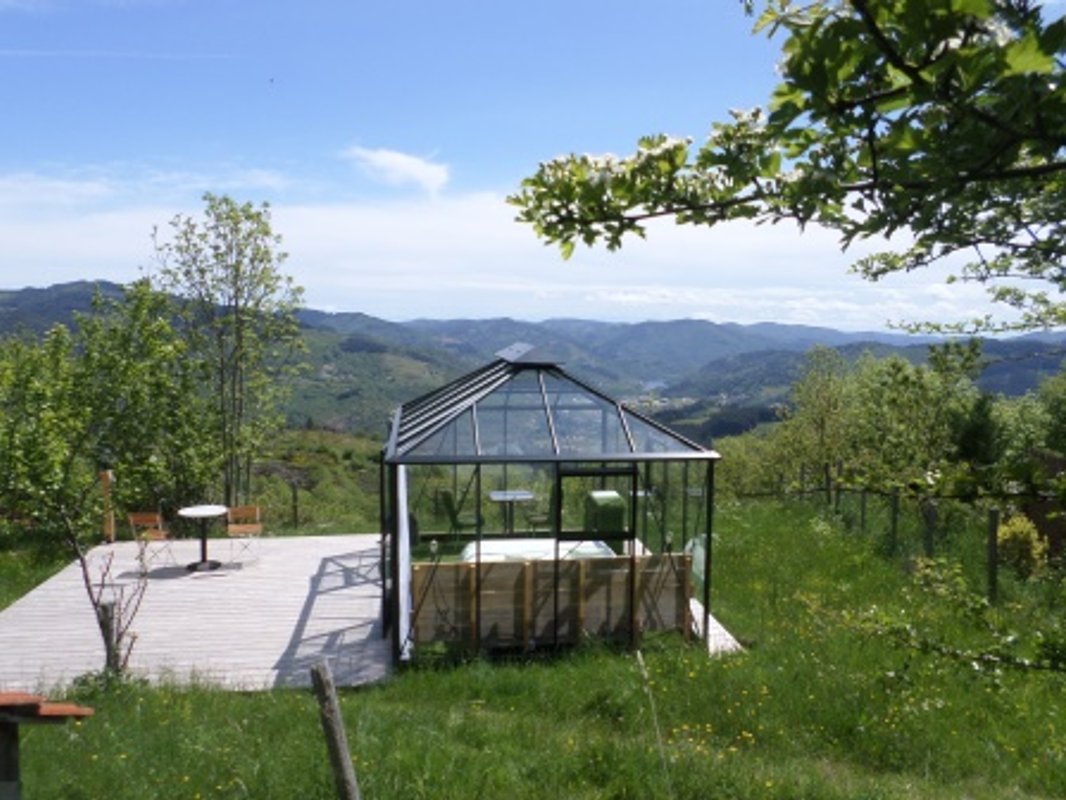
(200, 512)
(511, 495)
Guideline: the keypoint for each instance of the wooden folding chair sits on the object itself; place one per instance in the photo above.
(244, 525)
(153, 540)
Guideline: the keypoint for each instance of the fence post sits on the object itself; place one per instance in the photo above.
(993, 555)
(333, 727)
(828, 478)
(295, 505)
(893, 535)
(839, 485)
(929, 510)
(862, 511)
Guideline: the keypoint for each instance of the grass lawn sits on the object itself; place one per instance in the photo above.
(829, 700)
(21, 568)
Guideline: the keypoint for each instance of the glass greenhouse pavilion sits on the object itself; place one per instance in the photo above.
(523, 508)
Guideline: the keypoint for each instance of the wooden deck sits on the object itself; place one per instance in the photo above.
(257, 623)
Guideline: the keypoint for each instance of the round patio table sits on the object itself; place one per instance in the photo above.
(205, 514)
(507, 498)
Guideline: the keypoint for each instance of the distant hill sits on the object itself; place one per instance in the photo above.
(361, 367)
(36, 310)
(1013, 367)
(629, 356)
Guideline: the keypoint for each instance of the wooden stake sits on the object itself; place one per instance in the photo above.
(333, 726)
(993, 555)
(10, 780)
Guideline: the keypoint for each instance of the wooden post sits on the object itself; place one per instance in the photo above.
(993, 555)
(839, 485)
(862, 511)
(106, 477)
(529, 576)
(929, 507)
(893, 536)
(10, 780)
(333, 726)
(295, 505)
(19, 708)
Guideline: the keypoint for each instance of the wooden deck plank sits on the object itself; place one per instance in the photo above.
(254, 624)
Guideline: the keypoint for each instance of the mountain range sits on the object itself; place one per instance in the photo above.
(361, 367)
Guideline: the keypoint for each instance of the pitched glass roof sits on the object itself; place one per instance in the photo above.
(522, 408)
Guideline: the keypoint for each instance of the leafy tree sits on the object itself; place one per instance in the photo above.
(820, 417)
(941, 119)
(906, 432)
(116, 393)
(42, 431)
(148, 411)
(1052, 394)
(239, 318)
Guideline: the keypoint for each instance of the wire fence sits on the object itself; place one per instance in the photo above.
(906, 523)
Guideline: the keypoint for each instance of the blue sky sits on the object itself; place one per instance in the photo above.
(385, 137)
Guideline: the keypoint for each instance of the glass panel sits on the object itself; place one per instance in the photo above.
(454, 439)
(512, 421)
(585, 424)
(649, 439)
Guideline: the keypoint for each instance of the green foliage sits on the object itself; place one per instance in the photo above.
(334, 478)
(1020, 546)
(114, 393)
(896, 443)
(23, 567)
(819, 420)
(942, 119)
(865, 417)
(239, 315)
(1052, 395)
(134, 376)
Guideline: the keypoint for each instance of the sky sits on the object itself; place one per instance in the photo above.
(386, 136)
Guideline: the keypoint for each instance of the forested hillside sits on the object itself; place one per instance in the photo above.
(360, 367)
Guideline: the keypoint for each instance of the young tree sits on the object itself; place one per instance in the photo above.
(133, 372)
(116, 394)
(238, 311)
(1052, 394)
(944, 119)
(820, 416)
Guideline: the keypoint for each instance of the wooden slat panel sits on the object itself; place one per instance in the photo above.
(518, 600)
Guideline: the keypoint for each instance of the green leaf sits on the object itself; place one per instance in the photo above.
(772, 165)
(981, 9)
(1025, 56)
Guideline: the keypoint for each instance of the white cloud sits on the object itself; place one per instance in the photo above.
(399, 169)
(23, 189)
(463, 255)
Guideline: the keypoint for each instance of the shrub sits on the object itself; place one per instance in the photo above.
(1020, 546)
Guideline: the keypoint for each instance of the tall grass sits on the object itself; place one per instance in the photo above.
(815, 707)
(23, 566)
